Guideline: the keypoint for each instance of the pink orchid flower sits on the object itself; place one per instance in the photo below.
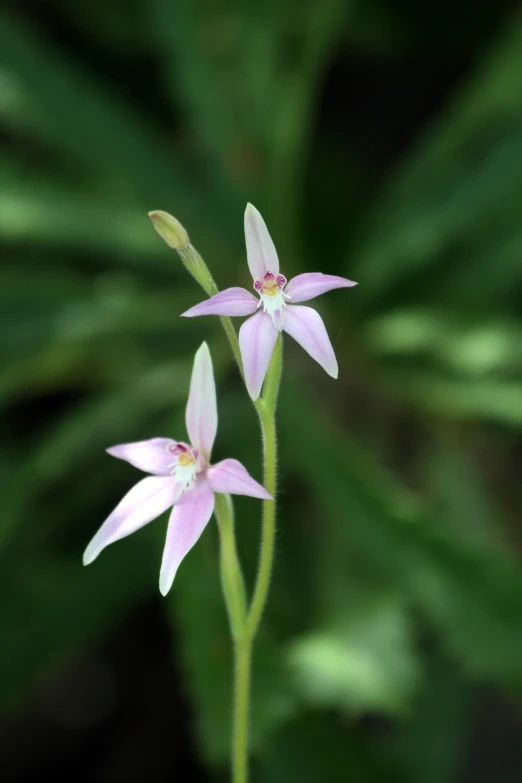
(182, 476)
(258, 335)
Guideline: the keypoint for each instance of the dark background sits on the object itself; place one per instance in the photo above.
(381, 141)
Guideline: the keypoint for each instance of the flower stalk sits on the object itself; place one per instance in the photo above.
(244, 623)
(231, 573)
(244, 646)
(242, 678)
(194, 264)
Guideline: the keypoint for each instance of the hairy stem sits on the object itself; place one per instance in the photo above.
(244, 647)
(231, 574)
(242, 678)
(268, 530)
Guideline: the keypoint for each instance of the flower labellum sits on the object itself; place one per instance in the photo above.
(181, 476)
(276, 309)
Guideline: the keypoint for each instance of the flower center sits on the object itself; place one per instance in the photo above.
(270, 289)
(186, 462)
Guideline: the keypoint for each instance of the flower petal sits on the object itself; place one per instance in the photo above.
(148, 455)
(261, 252)
(257, 338)
(201, 414)
(229, 476)
(306, 326)
(308, 286)
(232, 301)
(146, 500)
(187, 522)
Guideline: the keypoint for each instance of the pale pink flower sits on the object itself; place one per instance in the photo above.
(258, 335)
(182, 476)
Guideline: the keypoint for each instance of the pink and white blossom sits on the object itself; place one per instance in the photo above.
(276, 307)
(182, 476)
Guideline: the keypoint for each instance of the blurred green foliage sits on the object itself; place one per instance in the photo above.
(398, 587)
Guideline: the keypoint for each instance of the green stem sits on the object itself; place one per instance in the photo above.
(231, 574)
(268, 532)
(228, 326)
(242, 676)
(243, 647)
(194, 264)
(272, 381)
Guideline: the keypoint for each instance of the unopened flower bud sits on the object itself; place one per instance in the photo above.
(169, 229)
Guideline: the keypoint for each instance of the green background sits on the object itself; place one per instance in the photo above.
(381, 141)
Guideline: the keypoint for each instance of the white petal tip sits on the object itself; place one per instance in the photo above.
(165, 586)
(193, 312)
(89, 557)
(203, 352)
(166, 578)
(333, 373)
(116, 451)
(252, 213)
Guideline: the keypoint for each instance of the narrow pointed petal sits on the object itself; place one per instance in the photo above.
(230, 477)
(307, 286)
(257, 338)
(148, 455)
(261, 252)
(201, 414)
(232, 301)
(306, 326)
(188, 520)
(145, 501)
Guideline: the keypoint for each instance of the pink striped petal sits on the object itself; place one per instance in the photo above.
(148, 455)
(306, 326)
(261, 252)
(187, 522)
(145, 501)
(232, 301)
(308, 286)
(230, 477)
(201, 414)
(257, 338)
